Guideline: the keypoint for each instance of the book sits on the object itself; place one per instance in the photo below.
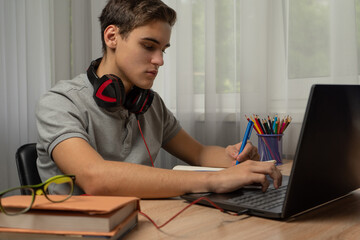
(78, 213)
(196, 168)
(211, 169)
(29, 234)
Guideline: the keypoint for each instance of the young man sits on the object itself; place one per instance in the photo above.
(87, 126)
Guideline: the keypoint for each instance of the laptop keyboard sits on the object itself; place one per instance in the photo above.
(257, 199)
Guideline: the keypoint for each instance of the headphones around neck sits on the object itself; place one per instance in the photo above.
(109, 92)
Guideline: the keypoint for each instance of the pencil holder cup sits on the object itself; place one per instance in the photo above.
(270, 147)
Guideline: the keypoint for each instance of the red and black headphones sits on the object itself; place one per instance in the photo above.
(109, 91)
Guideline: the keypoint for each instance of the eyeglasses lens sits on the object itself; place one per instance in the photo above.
(59, 189)
(11, 208)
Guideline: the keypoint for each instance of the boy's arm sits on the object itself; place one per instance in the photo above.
(97, 176)
(186, 148)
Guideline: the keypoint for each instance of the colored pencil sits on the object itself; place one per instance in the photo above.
(274, 125)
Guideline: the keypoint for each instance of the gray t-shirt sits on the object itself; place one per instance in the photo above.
(68, 110)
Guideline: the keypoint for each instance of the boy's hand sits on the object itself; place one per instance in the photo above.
(250, 152)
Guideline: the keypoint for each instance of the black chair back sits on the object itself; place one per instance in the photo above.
(26, 157)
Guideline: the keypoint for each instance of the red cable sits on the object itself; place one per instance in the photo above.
(190, 204)
(142, 135)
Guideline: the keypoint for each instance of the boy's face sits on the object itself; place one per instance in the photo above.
(139, 56)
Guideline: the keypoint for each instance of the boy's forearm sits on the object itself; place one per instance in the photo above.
(128, 179)
(214, 156)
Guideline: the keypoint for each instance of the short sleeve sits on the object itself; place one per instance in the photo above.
(60, 121)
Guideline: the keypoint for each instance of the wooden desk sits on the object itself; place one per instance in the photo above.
(338, 220)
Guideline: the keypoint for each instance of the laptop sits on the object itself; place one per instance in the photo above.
(326, 164)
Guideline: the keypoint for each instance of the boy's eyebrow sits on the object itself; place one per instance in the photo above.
(155, 41)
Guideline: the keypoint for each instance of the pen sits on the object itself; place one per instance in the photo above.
(246, 137)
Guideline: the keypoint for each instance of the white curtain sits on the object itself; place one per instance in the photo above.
(228, 59)
(25, 74)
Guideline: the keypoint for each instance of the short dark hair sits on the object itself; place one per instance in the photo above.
(130, 14)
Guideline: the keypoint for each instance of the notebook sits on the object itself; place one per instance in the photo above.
(326, 164)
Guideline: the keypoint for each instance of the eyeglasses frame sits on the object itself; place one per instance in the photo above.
(39, 189)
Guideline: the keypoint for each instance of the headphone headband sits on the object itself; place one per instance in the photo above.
(91, 72)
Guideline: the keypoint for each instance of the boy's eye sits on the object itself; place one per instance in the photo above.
(151, 47)
(148, 46)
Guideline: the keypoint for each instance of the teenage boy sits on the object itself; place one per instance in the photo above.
(91, 125)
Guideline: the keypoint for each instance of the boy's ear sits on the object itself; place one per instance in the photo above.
(110, 36)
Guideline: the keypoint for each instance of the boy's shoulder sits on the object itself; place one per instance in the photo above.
(76, 91)
(78, 83)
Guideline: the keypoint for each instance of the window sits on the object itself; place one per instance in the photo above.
(222, 14)
(322, 38)
(198, 14)
(309, 39)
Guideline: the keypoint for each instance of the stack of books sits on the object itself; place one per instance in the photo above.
(80, 217)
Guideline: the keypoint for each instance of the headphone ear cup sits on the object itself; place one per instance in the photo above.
(109, 91)
(139, 100)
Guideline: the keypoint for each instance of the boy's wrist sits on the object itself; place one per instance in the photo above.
(203, 182)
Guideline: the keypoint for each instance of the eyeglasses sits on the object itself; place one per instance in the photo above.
(60, 183)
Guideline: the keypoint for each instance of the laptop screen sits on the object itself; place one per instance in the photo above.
(327, 159)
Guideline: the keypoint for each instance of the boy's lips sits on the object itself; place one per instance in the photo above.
(152, 72)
